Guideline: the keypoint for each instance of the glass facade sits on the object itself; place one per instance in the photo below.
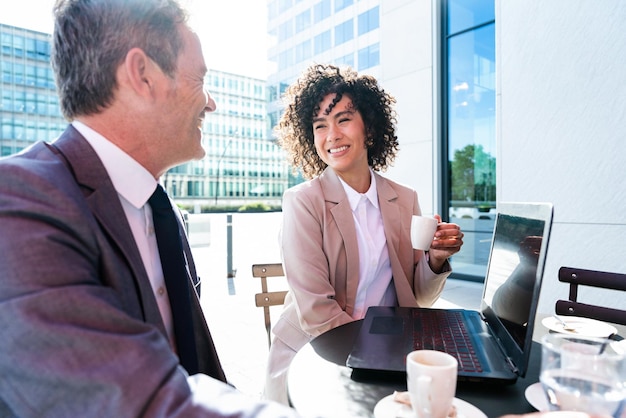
(29, 107)
(340, 32)
(242, 164)
(470, 129)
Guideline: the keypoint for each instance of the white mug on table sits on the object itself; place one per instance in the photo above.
(431, 382)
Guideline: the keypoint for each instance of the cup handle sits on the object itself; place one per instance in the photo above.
(423, 393)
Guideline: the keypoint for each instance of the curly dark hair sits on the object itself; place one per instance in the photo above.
(295, 128)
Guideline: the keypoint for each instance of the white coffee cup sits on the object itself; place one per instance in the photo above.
(423, 230)
(431, 381)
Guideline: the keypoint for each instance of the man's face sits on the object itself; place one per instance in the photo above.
(186, 103)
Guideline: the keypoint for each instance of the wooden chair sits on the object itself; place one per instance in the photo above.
(266, 299)
(600, 279)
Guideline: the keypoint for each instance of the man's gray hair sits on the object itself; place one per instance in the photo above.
(92, 37)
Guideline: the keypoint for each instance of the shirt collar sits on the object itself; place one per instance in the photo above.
(355, 197)
(120, 167)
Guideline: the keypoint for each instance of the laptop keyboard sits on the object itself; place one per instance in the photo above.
(445, 331)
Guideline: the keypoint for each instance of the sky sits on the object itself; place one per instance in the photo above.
(233, 32)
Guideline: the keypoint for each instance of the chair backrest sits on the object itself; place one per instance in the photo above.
(266, 299)
(600, 279)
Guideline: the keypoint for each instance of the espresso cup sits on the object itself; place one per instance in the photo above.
(431, 381)
(423, 230)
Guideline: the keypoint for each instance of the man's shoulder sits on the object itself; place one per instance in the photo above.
(36, 160)
(36, 173)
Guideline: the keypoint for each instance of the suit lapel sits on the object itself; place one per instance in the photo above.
(341, 211)
(104, 203)
(393, 224)
(387, 200)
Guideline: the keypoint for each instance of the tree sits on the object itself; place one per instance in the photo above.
(473, 174)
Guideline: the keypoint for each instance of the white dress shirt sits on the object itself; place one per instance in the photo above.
(134, 196)
(375, 285)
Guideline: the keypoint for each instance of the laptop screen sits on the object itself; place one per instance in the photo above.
(515, 268)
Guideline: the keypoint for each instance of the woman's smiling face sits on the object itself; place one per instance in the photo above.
(340, 136)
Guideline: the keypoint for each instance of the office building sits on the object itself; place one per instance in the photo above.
(242, 165)
(504, 100)
(338, 31)
(29, 106)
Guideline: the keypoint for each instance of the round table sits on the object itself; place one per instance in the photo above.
(321, 385)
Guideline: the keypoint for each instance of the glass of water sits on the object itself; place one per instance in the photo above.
(583, 374)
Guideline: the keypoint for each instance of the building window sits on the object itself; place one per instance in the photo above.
(369, 57)
(285, 30)
(321, 42)
(346, 60)
(342, 4)
(285, 59)
(283, 5)
(303, 21)
(303, 51)
(6, 39)
(368, 21)
(321, 11)
(344, 32)
(468, 129)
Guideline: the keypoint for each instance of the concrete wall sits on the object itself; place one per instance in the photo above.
(561, 123)
(407, 73)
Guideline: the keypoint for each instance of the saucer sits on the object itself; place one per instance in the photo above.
(582, 326)
(536, 397)
(388, 408)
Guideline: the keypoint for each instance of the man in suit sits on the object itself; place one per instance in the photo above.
(86, 324)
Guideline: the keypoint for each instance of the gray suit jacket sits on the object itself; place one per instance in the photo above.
(80, 328)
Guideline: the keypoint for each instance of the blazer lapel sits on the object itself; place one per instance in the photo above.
(103, 202)
(393, 224)
(342, 214)
(390, 213)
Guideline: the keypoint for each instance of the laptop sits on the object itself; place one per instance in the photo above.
(491, 345)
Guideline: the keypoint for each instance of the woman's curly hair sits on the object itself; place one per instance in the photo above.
(295, 128)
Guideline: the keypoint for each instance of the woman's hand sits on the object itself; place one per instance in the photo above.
(447, 242)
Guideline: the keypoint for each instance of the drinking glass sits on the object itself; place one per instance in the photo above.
(583, 374)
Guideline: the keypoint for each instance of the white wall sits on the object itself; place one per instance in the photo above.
(407, 73)
(561, 123)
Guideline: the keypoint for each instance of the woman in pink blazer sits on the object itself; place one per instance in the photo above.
(345, 236)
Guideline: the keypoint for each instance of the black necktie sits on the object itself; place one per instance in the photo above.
(176, 279)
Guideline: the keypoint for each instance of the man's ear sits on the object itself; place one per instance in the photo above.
(140, 71)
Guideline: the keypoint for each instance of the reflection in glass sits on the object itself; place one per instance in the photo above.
(513, 272)
(471, 139)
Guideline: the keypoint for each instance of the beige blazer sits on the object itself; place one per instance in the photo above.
(321, 257)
